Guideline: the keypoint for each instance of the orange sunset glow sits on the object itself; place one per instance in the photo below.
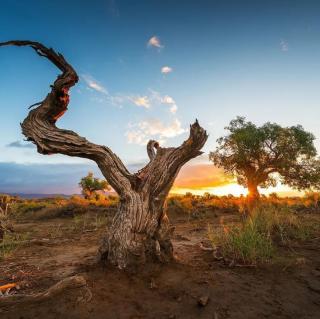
(206, 178)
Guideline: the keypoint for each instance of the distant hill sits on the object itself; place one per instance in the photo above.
(30, 196)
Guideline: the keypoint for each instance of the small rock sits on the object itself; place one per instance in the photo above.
(203, 301)
(153, 284)
(301, 261)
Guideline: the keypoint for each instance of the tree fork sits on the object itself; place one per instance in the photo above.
(140, 230)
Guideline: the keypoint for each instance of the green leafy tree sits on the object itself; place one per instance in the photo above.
(90, 185)
(263, 155)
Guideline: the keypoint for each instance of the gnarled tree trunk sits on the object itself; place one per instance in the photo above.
(140, 230)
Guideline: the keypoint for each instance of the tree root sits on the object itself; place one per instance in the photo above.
(55, 290)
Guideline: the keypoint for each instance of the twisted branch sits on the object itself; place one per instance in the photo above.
(39, 127)
(151, 146)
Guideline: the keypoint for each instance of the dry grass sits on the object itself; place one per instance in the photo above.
(10, 242)
(255, 239)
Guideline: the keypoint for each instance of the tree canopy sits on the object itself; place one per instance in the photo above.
(263, 155)
(90, 185)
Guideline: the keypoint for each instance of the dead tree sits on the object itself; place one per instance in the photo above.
(140, 230)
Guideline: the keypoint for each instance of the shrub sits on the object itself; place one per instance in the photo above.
(26, 207)
(90, 186)
(245, 243)
(282, 223)
(253, 240)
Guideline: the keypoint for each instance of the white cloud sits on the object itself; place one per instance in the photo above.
(94, 84)
(173, 109)
(284, 45)
(152, 99)
(156, 127)
(155, 42)
(166, 69)
(141, 101)
(153, 128)
(168, 100)
(171, 102)
(136, 137)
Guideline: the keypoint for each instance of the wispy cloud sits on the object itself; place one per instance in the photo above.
(166, 69)
(155, 42)
(94, 84)
(157, 98)
(19, 144)
(136, 137)
(156, 127)
(116, 100)
(173, 108)
(140, 101)
(147, 101)
(152, 98)
(284, 45)
(171, 102)
(141, 132)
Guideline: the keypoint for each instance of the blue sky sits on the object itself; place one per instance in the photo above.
(149, 68)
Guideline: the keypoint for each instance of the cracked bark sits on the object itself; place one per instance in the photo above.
(140, 230)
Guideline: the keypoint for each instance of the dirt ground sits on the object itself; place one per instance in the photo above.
(287, 288)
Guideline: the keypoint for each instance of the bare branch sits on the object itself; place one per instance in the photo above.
(151, 146)
(168, 161)
(192, 146)
(39, 126)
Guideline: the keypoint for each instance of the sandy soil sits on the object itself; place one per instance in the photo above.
(288, 288)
